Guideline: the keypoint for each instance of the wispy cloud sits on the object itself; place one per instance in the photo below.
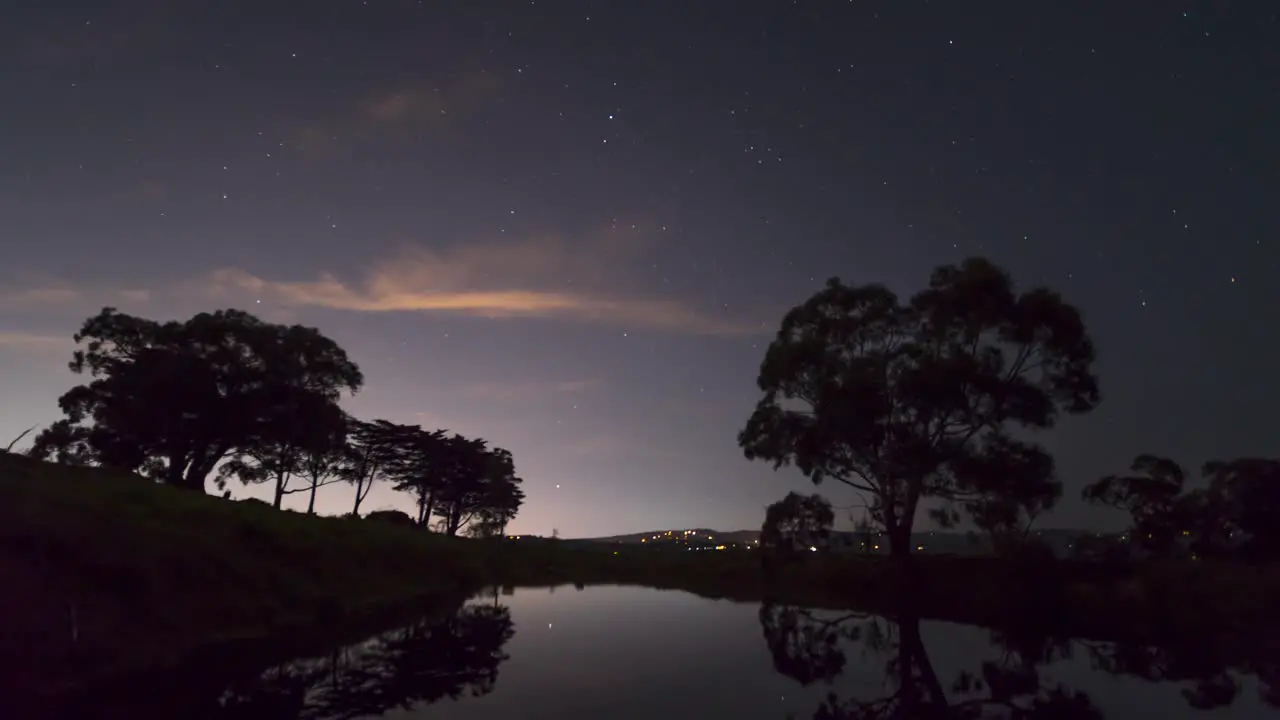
(34, 342)
(533, 279)
(40, 298)
(407, 108)
(525, 390)
(45, 295)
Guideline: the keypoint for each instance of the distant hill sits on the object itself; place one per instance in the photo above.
(702, 534)
(959, 543)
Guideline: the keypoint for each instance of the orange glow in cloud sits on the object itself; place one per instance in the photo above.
(487, 281)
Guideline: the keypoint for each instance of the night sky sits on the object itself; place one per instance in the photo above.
(571, 227)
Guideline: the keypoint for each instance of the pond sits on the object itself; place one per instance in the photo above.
(628, 652)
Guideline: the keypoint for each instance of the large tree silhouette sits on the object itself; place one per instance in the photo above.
(907, 402)
(171, 400)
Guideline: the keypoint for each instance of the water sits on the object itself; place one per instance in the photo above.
(627, 652)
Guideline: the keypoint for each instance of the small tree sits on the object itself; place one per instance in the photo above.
(1150, 496)
(917, 401)
(306, 427)
(1244, 498)
(324, 463)
(797, 522)
(421, 467)
(373, 450)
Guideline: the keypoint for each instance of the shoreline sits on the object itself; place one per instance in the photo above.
(168, 580)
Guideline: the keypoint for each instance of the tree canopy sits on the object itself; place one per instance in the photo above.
(172, 400)
(228, 395)
(1237, 512)
(797, 522)
(906, 402)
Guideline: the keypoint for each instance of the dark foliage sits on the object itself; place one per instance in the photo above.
(225, 392)
(172, 400)
(797, 523)
(917, 401)
(391, 517)
(1237, 514)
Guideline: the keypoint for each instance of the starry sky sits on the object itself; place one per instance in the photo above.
(571, 226)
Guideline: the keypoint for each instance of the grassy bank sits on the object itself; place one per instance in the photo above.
(107, 576)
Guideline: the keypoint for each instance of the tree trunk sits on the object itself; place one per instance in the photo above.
(311, 503)
(355, 509)
(900, 540)
(912, 654)
(899, 528)
(455, 519)
(279, 495)
(175, 471)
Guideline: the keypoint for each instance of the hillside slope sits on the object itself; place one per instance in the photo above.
(103, 570)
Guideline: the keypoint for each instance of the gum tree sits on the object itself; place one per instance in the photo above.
(919, 401)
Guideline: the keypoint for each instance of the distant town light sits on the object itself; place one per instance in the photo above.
(813, 549)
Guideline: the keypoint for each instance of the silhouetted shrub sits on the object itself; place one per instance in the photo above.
(393, 517)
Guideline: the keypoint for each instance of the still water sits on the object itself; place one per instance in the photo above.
(628, 652)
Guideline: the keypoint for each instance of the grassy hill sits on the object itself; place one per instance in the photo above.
(103, 570)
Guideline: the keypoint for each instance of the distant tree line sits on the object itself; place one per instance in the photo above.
(1234, 515)
(927, 403)
(226, 396)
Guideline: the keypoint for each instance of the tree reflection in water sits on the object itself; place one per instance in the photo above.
(807, 648)
(1212, 681)
(810, 647)
(422, 663)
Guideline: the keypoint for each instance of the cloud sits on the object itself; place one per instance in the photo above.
(34, 342)
(56, 295)
(533, 279)
(436, 104)
(40, 298)
(512, 391)
(574, 386)
(404, 109)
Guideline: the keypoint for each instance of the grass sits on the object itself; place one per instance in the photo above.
(107, 576)
(106, 573)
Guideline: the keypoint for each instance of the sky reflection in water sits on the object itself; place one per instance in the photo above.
(625, 652)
